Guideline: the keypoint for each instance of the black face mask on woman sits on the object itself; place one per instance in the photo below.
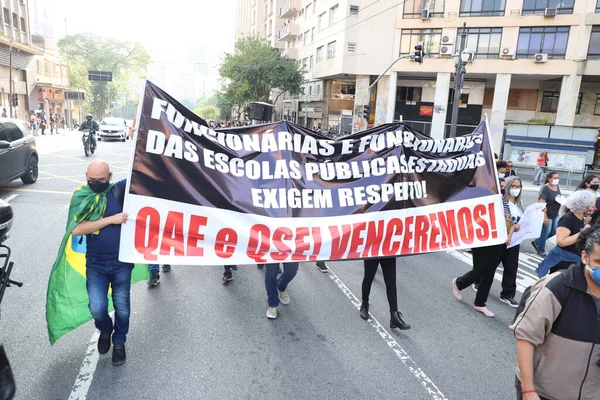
(97, 186)
(594, 187)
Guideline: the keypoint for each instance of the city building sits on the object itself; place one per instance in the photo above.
(261, 18)
(16, 53)
(529, 64)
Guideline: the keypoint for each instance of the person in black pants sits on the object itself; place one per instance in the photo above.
(388, 266)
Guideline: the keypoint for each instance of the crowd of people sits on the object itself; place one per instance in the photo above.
(557, 319)
(38, 123)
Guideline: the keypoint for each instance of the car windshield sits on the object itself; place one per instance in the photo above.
(113, 122)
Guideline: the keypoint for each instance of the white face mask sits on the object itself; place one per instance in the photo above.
(555, 182)
(514, 192)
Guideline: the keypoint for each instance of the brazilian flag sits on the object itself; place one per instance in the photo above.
(67, 299)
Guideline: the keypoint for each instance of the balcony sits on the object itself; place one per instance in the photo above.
(289, 32)
(289, 9)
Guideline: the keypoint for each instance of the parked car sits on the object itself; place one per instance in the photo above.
(113, 128)
(18, 153)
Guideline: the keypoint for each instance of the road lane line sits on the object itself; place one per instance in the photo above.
(11, 197)
(36, 191)
(408, 362)
(86, 372)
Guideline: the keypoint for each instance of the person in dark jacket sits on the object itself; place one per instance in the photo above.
(558, 332)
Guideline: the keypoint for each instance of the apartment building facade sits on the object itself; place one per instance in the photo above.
(15, 40)
(260, 18)
(530, 61)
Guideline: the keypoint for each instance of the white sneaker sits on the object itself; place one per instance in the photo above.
(485, 311)
(455, 291)
(284, 297)
(272, 312)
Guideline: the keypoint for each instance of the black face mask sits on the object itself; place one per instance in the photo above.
(594, 187)
(97, 186)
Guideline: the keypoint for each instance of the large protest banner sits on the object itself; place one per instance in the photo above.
(280, 193)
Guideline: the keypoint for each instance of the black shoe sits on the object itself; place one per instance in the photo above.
(104, 343)
(396, 321)
(364, 311)
(321, 266)
(227, 277)
(154, 279)
(510, 301)
(166, 268)
(118, 356)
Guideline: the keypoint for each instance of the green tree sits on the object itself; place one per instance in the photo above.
(208, 112)
(89, 52)
(252, 72)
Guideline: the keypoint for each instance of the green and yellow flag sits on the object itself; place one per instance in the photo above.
(67, 299)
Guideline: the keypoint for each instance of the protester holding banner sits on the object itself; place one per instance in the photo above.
(548, 194)
(580, 205)
(388, 266)
(277, 288)
(510, 257)
(487, 259)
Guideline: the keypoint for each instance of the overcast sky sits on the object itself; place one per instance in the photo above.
(157, 27)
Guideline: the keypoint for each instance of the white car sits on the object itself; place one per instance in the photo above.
(113, 128)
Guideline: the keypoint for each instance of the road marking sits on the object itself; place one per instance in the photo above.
(86, 372)
(408, 362)
(36, 191)
(62, 177)
(11, 197)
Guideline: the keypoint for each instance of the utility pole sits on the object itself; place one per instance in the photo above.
(459, 79)
(10, 85)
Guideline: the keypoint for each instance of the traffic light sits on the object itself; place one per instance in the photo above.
(15, 100)
(418, 55)
(367, 112)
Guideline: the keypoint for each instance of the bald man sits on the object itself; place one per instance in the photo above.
(103, 267)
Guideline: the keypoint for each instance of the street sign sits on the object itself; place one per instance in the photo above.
(102, 76)
(74, 95)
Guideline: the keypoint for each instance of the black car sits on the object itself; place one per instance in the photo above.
(18, 154)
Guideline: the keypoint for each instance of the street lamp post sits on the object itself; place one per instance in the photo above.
(459, 77)
(10, 86)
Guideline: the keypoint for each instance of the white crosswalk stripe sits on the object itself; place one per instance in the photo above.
(526, 275)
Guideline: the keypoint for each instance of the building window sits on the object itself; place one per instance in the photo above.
(353, 10)
(23, 28)
(413, 8)
(6, 16)
(463, 101)
(314, 7)
(484, 42)
(597, 106)
(320, 51)
(305, 37)
(332, 12)
(312, 35)
(318, 90)
(482, 8)
(320, 22)
(550, 102)
(15, 21)
(305, 63)
(343, 90)
(409, 94)
(430, 37)
(579, 100)
(351, 47)
(330, 50)
(594, 49)
(310, 90)
(311, 61)
(539, 6)
(306, 11)
(598, 6)
(551, 40)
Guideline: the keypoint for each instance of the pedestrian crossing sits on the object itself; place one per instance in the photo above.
(526, 275)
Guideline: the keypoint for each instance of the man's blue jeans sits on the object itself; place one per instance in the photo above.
(548, 231)
(274, 285)
(101, 273)
(538, 177)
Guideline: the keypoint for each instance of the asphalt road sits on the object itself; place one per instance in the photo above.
(194, 338)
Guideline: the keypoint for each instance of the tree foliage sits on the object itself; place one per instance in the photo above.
(89, 52)
(252, 72)
(208, 112)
